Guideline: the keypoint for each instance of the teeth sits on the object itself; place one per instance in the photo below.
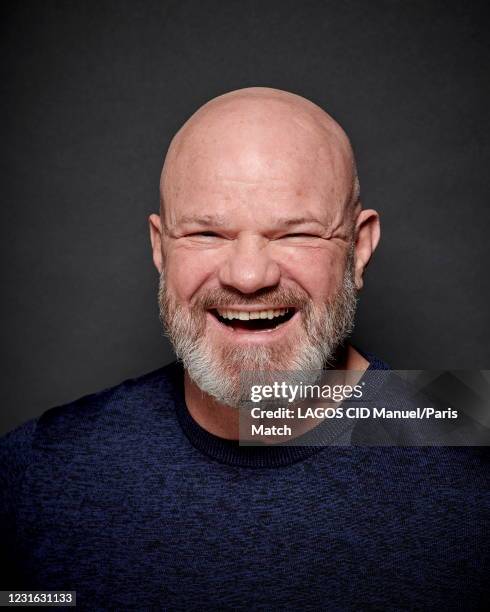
(245, 315)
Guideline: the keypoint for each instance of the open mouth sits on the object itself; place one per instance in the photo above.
(258, 320)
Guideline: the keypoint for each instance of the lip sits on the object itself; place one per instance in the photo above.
(245, 336)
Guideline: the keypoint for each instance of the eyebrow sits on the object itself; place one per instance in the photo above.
(207, 220)
(220, 220)
(288, 221)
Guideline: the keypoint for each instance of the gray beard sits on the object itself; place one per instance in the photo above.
(221, 372)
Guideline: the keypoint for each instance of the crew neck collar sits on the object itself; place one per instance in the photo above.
(230, 452)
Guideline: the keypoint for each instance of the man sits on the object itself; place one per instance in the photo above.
(141, 497)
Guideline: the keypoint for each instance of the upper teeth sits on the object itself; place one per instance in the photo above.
(245, 315)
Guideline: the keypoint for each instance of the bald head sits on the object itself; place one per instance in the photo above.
(259, 135)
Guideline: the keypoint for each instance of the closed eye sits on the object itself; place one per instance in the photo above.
(204, 235)
(299, 235)
(205, 239)
(208, 235)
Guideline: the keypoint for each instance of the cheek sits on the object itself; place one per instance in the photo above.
(318, 271)
(185, 272)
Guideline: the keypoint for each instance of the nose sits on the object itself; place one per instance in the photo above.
(248, 266)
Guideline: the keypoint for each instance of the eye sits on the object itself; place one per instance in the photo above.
(299, 236)
(204, 235)
(206, 238)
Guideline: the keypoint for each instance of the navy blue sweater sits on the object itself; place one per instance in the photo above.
(124, 498)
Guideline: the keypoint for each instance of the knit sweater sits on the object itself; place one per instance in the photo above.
(124, 498)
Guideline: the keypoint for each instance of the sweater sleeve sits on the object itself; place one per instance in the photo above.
(15, 457)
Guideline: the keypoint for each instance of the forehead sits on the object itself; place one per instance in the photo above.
(261, 165)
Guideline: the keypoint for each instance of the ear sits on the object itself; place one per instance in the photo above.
(155, 224)
(367, 235)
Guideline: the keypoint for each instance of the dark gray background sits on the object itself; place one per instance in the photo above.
(93, 92)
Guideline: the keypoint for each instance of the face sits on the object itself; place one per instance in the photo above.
(257, 255)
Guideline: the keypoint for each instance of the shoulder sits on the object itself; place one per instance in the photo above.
(89, 416)
(15, 453)
(375, 363)
(117, 401)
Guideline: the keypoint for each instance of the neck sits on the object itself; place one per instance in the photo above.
(223, 421)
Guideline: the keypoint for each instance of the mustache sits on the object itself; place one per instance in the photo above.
(269, 297)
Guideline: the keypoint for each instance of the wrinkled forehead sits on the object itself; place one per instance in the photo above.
(262, 150)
